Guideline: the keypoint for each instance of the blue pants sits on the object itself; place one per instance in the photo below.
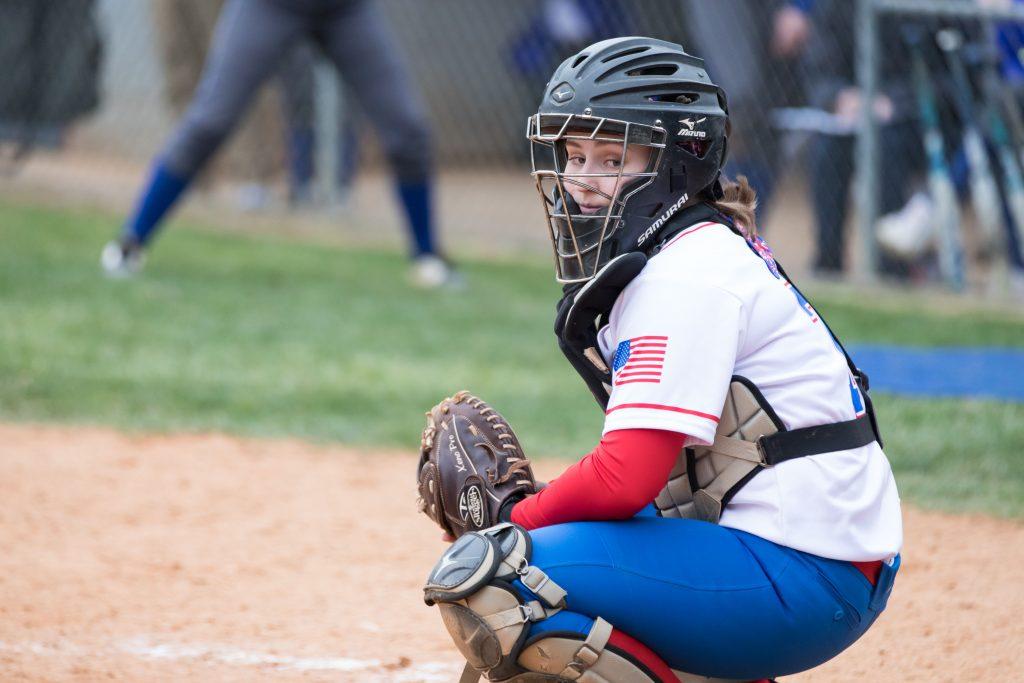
(708, 599)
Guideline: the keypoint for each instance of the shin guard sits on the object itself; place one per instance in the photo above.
(489, 620)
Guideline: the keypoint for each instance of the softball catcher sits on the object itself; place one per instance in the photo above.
(738, 519)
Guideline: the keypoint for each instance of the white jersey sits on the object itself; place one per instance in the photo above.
(708, 307)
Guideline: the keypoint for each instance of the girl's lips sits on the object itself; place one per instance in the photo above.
(590, 208)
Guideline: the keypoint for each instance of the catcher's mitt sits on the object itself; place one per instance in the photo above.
(470, 465)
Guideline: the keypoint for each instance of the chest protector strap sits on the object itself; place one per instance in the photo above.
(750, 437)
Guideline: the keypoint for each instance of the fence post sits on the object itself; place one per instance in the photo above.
(327, 109)
(866, 28)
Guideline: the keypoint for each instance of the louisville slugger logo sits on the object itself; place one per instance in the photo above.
(687, 126)
(656, 225)
(471, 505)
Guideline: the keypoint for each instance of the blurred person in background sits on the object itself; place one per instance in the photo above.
(831, 86)
(251, 40)
(51, 57)
(909, 236)
(298, 88)
(759, 67)
(184, 31)
(559, 27)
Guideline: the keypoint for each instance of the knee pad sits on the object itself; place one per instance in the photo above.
(410, 154)
(489, 619)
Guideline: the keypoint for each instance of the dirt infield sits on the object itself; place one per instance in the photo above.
(206, 557)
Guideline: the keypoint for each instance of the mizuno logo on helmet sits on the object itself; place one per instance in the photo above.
(656, 225)
(563, 93)
(686, 128)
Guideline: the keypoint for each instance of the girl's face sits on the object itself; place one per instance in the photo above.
(585, 157)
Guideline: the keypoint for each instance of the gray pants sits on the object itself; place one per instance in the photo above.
(251, 41)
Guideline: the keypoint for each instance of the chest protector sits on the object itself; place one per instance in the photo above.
(750, 435)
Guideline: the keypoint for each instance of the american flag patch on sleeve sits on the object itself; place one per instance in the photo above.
(640, 359)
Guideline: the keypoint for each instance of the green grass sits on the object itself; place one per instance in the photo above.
(266, 336)
(956, 455)
(902, 320)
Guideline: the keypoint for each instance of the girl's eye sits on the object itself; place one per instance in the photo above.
(578, 160)
(613, 162)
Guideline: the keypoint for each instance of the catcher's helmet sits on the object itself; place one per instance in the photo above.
(634, 91)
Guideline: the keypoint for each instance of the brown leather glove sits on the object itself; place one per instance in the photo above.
(471, 464)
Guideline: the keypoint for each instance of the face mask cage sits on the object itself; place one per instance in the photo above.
(580, 234)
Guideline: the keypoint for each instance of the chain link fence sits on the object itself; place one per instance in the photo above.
(884, 136)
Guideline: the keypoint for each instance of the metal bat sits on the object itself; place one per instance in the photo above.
(940, 183)
(1012, 110)
(984, 192)
(999, 120)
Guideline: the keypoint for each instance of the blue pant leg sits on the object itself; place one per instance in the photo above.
(709, 600)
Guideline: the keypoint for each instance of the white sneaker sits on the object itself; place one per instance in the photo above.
(432, 272)
(910, 232)
(121, 261)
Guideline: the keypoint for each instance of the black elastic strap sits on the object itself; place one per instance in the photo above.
(797, 443)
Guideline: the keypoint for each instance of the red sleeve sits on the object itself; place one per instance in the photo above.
(618, 478)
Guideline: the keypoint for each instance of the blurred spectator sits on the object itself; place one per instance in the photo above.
(298, 80)
(184, 31)
(832, 86)
(751, 49)
(557, 29)
(251, 40)
(560, 28)
(51, 54)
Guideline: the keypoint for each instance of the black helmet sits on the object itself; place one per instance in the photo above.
(631, 91)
